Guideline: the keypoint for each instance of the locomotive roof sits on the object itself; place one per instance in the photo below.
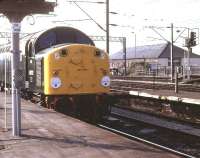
(59, 35)
(51, 37)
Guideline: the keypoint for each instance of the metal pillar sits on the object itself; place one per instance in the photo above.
(5, 96)
(188, 63)
(107, 27)
(176, 79)
(135, 46)
(16, 101)
(125, 57)
(172, 53)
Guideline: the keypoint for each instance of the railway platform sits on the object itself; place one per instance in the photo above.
(158, 90)
(49, 134)
(183, 96)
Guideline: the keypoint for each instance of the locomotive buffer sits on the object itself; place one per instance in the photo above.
(16, 10)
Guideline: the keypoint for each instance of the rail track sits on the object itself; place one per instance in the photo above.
(127, 84)
(143, 78)
(154, 135)
(176, 141)
(193, 78)
(181, 110)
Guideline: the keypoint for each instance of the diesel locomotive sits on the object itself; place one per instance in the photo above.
(63, 66)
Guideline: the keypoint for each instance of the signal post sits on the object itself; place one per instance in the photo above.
(190, 42)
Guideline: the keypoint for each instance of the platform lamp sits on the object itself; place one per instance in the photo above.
(15, 11)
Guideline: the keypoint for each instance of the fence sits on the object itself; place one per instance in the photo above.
(159, 71)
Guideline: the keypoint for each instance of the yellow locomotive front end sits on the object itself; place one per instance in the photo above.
(76, 69)
(69, 73)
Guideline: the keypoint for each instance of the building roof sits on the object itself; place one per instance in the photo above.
(178, 52)
(151, 52)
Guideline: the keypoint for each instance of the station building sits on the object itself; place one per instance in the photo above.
(145, 59)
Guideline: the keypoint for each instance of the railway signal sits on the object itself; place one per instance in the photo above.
(193, 37)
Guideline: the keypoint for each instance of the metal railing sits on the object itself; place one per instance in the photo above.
(159, 71)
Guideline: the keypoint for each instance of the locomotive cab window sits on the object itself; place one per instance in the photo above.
(99, 53)
(63, 52)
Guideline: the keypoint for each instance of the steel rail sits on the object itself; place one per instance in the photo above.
(146, 141)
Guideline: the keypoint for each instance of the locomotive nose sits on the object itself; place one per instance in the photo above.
(78, 68)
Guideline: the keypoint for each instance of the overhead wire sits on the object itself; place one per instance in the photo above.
(98, 2)
(89, 16)
(72, 20)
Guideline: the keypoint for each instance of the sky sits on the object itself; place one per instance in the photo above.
(142, 20)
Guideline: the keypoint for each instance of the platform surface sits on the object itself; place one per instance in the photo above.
(182, 96)
(48, 134)
(162, 92)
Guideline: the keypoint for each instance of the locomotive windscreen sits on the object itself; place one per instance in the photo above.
(60, 35)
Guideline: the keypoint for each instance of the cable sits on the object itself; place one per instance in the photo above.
(98, 2)
(71, 20)
(89, 16)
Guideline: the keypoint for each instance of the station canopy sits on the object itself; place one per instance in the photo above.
(26, 6)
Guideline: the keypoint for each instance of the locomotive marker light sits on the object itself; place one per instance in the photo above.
(105, 81)
(15, 11)
(56, 82)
